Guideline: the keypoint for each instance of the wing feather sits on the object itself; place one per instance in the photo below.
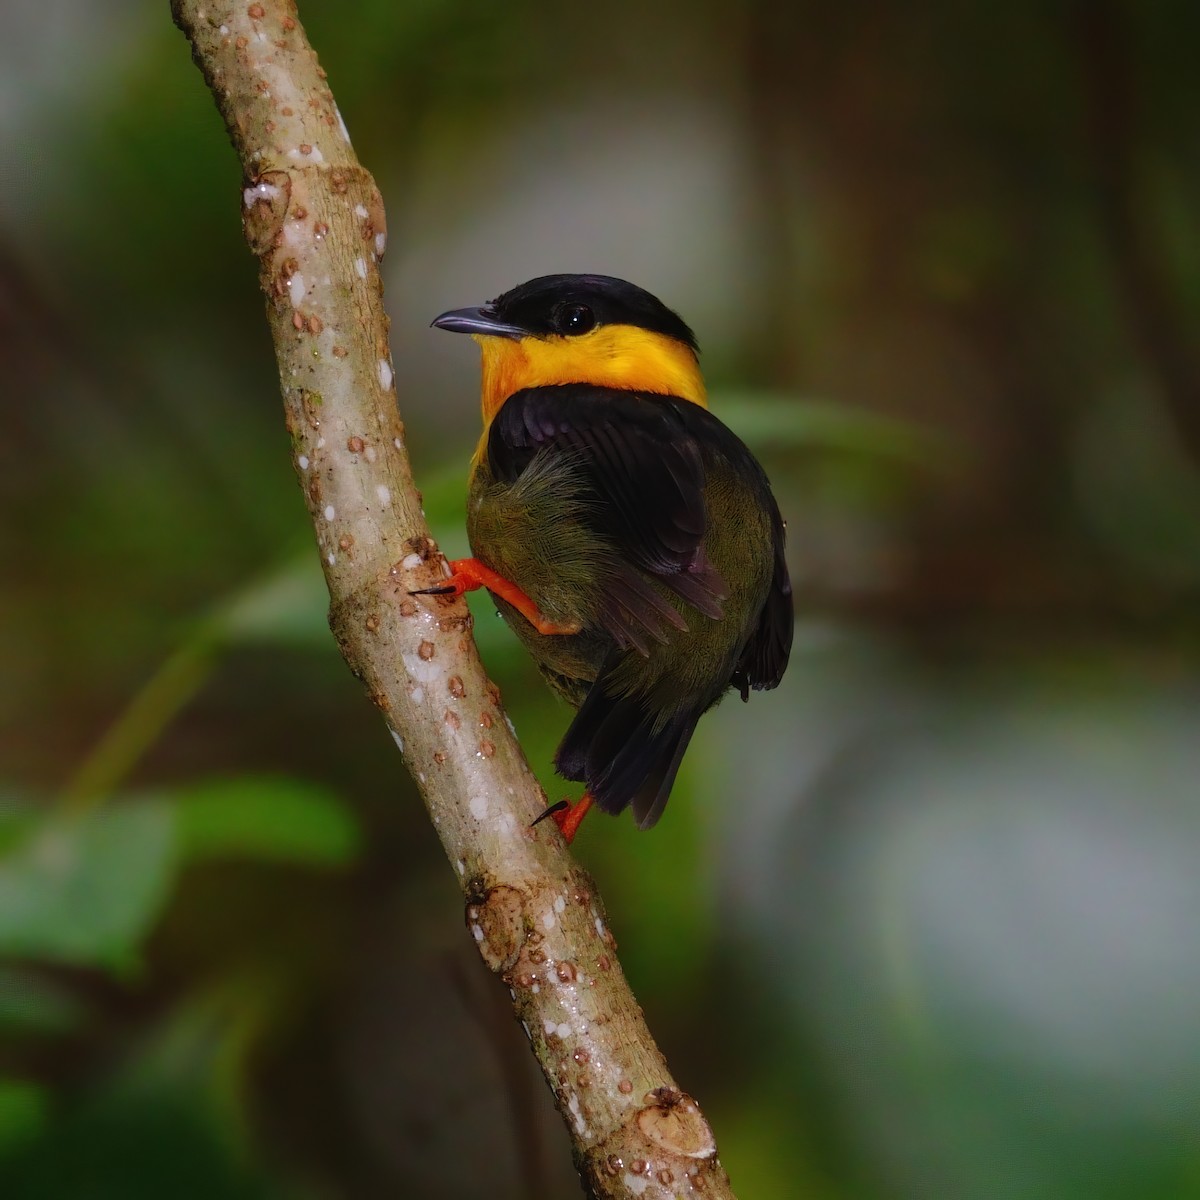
(646, 472)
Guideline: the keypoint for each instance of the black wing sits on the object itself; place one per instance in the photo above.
(645, 469)
(765, 657)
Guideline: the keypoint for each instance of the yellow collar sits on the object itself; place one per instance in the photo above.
(615, 356)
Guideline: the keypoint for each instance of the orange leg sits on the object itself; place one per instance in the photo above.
(467, 574)
(568, 817)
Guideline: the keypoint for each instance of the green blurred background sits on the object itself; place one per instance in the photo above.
(922, 923)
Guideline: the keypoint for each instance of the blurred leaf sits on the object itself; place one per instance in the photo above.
(23, 1107)
(1136, 486)
(140, 724)
(982, 904)
(777, 419)
(444, 496)
(85, 889)
(121, 1146)
(17, 817)
(289, 820)
(752, 1129)
(664, 953)
(30, 1003)
(289, 606)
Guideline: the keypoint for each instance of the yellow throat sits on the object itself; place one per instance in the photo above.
(614, 356)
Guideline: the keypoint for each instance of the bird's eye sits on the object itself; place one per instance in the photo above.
(573, 319)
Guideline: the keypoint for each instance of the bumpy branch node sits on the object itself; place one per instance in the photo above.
(314, 218)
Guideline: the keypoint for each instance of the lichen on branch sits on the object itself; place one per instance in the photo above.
(314, 218)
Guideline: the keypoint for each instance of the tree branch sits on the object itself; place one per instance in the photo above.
(314, 218)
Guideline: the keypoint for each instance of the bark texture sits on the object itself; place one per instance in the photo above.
(315, 221)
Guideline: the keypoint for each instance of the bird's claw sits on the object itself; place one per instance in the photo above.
(447, 589)
(553, 810)
(567, 816)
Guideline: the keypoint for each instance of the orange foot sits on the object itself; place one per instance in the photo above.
(467, 574)
(568, 817)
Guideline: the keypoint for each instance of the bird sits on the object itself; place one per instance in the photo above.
(628, 537)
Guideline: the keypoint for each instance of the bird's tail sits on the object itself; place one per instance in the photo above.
(616, 747)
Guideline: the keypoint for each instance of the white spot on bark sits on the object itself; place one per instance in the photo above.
(479, 807)
(260, 191)
(295, 236)
(380, 243)
(360, 212)
(477, 932)
(385, 374)
(385, 497)
(548, 920)
(418, 694)
(637, 1184)
(341, 123)
(296, 289)
(369, 454)
(410, 562)
(461, 868)
(560, 903)
(329, 512)
(421, 670)
(302, 461)
(360, 265)
(397, 739)
(313, 154)
(331, 558)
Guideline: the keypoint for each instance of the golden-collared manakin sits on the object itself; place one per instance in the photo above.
(628, 537)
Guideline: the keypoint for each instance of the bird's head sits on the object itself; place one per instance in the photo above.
(590, 329)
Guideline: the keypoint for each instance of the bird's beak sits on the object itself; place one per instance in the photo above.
(480, 321)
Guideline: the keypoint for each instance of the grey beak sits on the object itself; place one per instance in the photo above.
(477, 320)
